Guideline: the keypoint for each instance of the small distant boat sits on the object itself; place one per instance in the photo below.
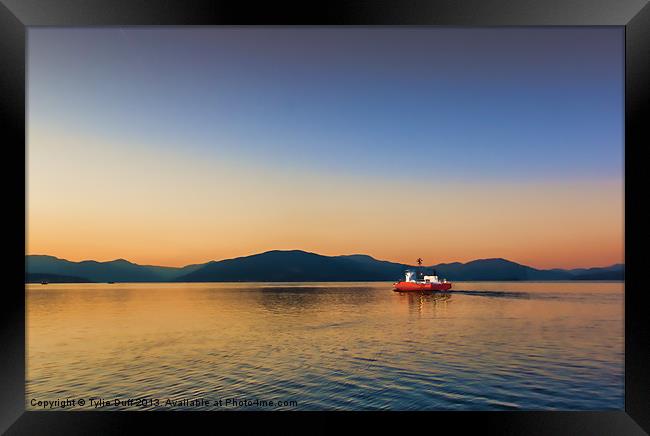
(43, 282)
(414, 280)
(110, 283)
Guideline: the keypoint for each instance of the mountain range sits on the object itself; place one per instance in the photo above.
(296, 266)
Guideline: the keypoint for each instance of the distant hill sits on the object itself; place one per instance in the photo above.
(297, 265)
(294, 266)
(496, 269)
(614, 272)
(119, 270)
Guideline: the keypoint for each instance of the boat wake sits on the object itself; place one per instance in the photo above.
(496, 294)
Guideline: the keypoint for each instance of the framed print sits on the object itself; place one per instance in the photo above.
(392, 212)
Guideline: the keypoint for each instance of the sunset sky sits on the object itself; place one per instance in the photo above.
(172, 146)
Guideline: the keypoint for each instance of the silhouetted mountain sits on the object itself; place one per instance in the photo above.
(293, 266)
(53, 278)
(496, 269)
(296, 265)
(614, 272)
(119, 270)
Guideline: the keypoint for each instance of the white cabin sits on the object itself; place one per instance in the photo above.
(431, 279)
(410, 276)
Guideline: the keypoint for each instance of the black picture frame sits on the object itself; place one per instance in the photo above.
(17, 15)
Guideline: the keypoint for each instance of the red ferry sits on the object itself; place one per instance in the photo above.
(416, 281)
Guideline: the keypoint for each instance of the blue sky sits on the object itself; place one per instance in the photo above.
(505, 104)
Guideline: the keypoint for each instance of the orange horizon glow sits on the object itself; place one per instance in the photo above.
(155, 207)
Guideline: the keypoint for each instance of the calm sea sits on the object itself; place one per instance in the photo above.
(325, 346)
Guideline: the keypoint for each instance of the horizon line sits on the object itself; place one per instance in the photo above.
(318, 254)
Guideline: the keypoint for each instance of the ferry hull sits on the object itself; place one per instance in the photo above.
(413, 286)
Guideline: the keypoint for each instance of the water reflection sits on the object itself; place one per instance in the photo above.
(289, 298)
(332, 345)
(418, 300)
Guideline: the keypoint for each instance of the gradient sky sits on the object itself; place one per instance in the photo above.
(173, 146)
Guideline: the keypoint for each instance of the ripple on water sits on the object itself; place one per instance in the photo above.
(332, 346)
